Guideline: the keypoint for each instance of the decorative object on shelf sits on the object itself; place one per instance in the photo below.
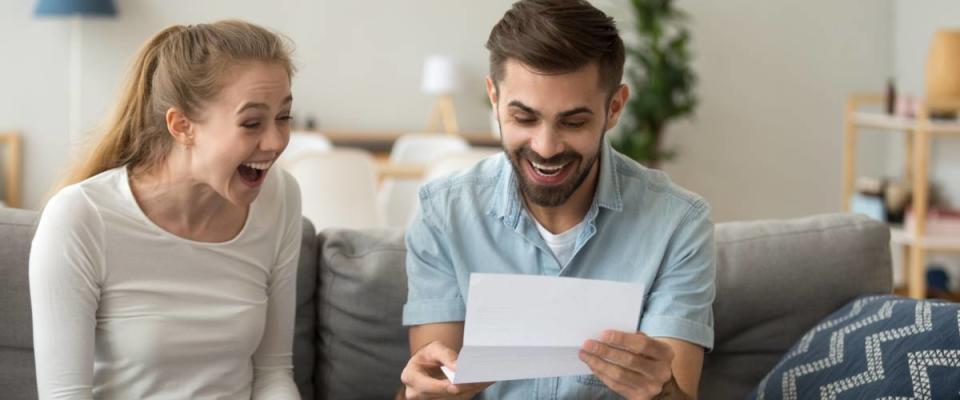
(661, 79)
(881, 199)
(890, 98)
(441, 77)
(943, 74)
(907, 106)
(76, 10)
(896, 197)
(871, 206)
(940, 222)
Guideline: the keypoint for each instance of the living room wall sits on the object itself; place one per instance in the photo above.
(765, 142)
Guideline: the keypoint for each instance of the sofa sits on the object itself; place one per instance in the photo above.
(775, 280)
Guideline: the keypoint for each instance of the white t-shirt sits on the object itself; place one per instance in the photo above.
(123, 309)
(561, 244)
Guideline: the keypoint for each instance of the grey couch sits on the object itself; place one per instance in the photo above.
(776, 279)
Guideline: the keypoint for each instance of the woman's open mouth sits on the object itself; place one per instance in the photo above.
(252, 173)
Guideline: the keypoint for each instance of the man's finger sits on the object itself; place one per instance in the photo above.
(638, 343)
(417, 377)
(615, 372)
(438, 354)
(623, 358)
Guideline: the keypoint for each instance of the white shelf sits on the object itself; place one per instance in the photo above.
(884, 121)
(941, 243)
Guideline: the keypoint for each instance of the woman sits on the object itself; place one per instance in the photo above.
(166, 268)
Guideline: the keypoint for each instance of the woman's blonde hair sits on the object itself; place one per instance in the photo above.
(181, 67)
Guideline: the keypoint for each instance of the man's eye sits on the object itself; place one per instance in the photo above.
(573, 124)
(525, 121)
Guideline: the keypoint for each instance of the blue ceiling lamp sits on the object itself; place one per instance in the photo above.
(75, 10)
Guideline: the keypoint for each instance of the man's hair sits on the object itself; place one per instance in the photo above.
(556, 37)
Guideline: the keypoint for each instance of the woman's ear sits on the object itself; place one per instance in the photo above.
(179, 126)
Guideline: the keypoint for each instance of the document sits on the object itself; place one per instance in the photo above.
(530, 326)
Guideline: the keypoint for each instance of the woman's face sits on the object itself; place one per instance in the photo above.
(242, 131)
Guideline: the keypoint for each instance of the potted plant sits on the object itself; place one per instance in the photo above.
(661, 80)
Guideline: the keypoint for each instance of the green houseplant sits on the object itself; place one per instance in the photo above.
(661, 80)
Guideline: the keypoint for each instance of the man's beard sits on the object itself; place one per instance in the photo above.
(553, 195)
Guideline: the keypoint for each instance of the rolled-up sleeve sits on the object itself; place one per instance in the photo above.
(680, 304)
(432, 292)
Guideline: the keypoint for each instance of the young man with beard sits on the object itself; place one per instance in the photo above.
(561, 202)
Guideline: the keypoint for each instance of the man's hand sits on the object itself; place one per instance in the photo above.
(634, 365)
(423, 379)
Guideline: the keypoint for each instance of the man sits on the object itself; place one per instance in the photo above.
(560, 201)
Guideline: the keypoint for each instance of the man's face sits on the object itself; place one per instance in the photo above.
(552, 127)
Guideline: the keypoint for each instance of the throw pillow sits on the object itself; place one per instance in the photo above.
(874, 347)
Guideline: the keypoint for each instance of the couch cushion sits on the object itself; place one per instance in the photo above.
(363, 289)
(305, 331)
(874, 347)
(17, 380)
(776, 279)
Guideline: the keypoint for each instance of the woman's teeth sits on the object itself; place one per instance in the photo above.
(259, 165)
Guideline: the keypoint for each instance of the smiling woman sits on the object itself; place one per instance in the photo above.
(165, 266)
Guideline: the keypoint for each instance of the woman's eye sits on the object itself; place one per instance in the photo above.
(284, 118)
(250, 125)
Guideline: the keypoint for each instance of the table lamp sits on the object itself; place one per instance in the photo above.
(441, 78)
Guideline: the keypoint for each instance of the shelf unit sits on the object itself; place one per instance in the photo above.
(10, 143)
(918, 133)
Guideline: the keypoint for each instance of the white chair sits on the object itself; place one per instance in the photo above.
(339, 188)
(398, 197)
(303, 143)
(456, 162)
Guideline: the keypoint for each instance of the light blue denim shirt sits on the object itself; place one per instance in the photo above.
(640, 228)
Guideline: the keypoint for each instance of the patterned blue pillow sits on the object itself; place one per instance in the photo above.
(875, 347)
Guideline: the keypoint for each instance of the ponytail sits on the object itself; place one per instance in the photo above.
(130, 118)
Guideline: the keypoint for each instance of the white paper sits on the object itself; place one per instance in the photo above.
(529, 326)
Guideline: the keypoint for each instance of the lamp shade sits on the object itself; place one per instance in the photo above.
(440, 76)
(75, 7)
(943, 70)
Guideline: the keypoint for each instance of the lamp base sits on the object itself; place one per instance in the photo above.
(446, 113)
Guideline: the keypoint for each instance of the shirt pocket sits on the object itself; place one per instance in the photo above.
(591, 388)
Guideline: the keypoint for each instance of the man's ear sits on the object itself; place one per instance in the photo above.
(492, 93)
(617, 103)
(179, 126)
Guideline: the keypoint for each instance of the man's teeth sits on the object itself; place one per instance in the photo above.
(259, 165)
(548, 168)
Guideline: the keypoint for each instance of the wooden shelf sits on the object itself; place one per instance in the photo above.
(893, 123)
(12, 176)
(900, 236)
(918, 134)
